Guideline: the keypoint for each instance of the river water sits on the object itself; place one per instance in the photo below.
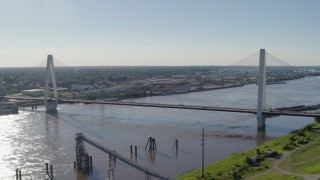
(31, 138)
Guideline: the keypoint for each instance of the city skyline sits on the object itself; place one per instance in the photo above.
(165, 33)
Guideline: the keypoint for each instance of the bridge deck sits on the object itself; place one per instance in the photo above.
(190, 107)
(196, 107)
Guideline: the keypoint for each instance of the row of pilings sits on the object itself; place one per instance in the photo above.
(49, 173)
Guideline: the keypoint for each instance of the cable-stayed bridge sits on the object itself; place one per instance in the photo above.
(261, 77)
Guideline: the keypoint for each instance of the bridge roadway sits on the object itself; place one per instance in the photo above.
(124, 159)
(268, 112)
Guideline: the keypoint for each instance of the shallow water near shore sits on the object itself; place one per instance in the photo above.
(32, 137)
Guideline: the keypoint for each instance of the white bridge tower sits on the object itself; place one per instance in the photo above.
(262, 105)
(50, 104)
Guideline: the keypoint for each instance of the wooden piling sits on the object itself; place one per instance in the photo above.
(90, 158)
(130, 149)
(17, 174)
(136, 151)
(177, 144)
(47, 169)
(148, 142)
(74, 165)
(20, 176)
(154, 146)
(51, 172)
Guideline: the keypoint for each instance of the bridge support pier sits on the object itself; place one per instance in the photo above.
(262, 105)
(261, 136)
(261, 120)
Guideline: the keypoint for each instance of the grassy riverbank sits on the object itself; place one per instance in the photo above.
(290, 147)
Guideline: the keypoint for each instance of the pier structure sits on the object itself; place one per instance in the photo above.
(152, 144)
(80, 139)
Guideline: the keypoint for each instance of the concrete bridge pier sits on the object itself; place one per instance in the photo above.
(261, 136)
(261, 120)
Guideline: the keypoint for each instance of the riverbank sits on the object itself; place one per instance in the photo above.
(292, 156)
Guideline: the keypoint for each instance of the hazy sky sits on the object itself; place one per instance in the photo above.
(157, 32)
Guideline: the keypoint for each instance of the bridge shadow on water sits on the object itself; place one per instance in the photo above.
(261, 132)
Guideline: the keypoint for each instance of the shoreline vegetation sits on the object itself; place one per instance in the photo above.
(292, 156)
(141, 93)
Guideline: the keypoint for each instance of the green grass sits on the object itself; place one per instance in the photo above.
(229, 168)
(305, 160)
(306, 153)
(236, 167)
(286, 164)
(275, 176)
(311, 167)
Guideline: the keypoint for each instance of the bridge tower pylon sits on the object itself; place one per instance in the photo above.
(50, 104)
(262, 104)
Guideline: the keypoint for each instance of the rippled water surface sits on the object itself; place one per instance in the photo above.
(32, 137)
